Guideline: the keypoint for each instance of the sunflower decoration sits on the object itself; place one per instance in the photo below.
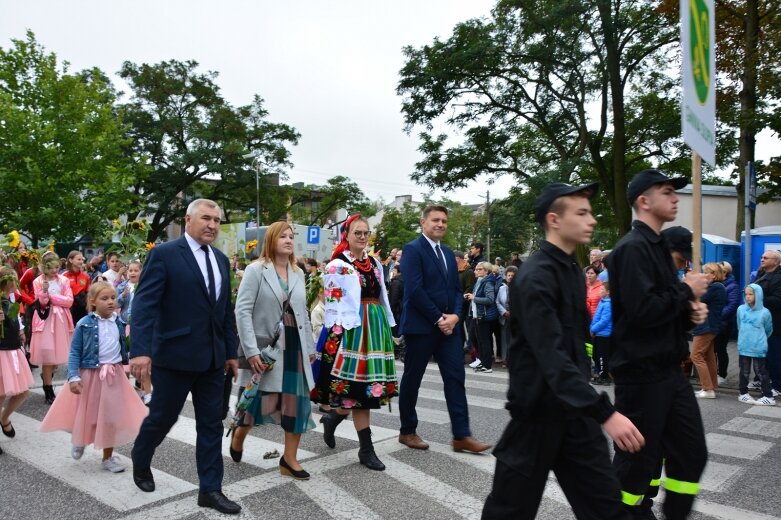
(313, 288)
(250, 247)
(132, 240)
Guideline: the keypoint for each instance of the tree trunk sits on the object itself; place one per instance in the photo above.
(748, 105)
(620, 204)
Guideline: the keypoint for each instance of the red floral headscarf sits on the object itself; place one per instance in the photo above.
(343, 245)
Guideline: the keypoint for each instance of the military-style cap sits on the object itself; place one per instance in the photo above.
(679, 239)
(647, 178)
(555, 190)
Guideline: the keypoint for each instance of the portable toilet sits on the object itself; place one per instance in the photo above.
(719, 249)
(762, 239)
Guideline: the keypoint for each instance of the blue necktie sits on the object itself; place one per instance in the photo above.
(210, 273)
(441, 257)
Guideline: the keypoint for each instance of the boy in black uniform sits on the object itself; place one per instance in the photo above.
(555, 412)
(652, 310)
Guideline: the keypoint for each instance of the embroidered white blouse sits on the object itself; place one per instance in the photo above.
(342, 291)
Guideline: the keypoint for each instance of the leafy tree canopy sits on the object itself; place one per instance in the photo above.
(62, 165)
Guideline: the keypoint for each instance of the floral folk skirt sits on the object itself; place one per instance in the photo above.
(355, 368)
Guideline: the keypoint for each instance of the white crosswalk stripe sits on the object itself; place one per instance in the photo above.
(175, 497)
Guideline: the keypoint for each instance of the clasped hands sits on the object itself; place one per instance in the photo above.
(448, 323)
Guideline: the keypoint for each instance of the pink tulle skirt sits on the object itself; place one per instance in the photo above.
(107, 413)
(15, 375)
(52, 345)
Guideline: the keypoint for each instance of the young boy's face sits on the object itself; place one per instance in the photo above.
(114, 263)
(749, 294)
(603, 292)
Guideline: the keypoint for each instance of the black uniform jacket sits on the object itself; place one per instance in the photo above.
(771, 289)
(651, 308)
(549, 323)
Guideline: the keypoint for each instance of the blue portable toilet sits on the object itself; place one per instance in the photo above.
(719, 249)
(762, 239)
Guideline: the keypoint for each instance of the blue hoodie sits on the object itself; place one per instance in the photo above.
(754, 326)
(602, 324)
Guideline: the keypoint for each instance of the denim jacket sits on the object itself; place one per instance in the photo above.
(84, 345)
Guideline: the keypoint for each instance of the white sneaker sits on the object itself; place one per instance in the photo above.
(721, 380)
(77, 452)
(755, 385)
(705, 394)
(475, 363)
(147, 398)
(113, 464)
(745, 398)
(765, 401)
(776, 393)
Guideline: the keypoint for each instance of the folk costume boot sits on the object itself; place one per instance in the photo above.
(330, 422)
(366, 454)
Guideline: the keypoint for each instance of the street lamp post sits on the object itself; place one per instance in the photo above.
(256, 163)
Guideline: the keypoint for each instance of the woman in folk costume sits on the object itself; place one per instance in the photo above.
(357, 369)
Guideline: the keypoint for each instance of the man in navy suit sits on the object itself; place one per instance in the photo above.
(432, 305)
(184, 337)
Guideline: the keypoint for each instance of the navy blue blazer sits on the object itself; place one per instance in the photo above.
(174, 322)
(429, 292)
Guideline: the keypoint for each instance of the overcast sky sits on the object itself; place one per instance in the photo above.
(328, 68)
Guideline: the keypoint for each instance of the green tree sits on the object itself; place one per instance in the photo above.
(397, 227)
(339, 192)
(519, 88)
(192, 143)
(63, 172)
(749, 42)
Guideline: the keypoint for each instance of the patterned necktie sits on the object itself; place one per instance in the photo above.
(210, 273)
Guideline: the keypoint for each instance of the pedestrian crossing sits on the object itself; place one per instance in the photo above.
(438, 483)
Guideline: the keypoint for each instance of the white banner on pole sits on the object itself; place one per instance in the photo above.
(698, 53)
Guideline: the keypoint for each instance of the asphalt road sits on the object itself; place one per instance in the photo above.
(39, 480)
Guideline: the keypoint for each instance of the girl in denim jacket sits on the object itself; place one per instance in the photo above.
(99, 405)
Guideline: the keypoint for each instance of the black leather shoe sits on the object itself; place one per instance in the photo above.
(143, 479)
(216, 500)
(8, 429)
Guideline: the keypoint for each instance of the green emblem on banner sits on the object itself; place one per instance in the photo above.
(699, 47)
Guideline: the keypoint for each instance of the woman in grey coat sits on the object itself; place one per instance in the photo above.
(283, 396)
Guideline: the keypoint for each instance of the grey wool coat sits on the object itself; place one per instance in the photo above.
(258, 309)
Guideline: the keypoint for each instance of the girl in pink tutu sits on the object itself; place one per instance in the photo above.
(52, 323)
(99, 405)
(15, 376)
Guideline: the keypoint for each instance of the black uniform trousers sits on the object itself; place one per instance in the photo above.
(575, 450)
(667, 414)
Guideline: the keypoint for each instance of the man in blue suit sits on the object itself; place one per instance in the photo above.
(184, 337)
(432, 305)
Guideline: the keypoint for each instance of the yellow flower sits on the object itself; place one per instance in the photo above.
(138, 224)
(13, 239)
(251, 245)
(149, 246)
(51, 245)
(116, 223)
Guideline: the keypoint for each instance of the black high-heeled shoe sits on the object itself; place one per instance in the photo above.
(235, 455)
(286, 470)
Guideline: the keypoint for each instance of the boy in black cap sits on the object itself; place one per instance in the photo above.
(652, 310)
(555, 412)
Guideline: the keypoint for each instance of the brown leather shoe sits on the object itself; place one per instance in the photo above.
(413, 440)
(469, 444)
